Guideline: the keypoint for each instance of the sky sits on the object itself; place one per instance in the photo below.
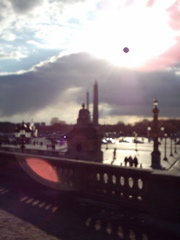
(52, 51)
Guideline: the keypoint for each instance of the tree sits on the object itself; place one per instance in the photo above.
(55, 120)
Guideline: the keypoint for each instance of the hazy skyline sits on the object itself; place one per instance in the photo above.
(51, 52)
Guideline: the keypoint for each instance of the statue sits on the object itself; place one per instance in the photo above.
(84, 116)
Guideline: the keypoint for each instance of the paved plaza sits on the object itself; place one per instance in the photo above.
(143, 153)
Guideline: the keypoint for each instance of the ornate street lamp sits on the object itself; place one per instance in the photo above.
(155, 155)
(165, 141)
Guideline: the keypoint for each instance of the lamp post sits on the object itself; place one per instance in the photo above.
(149, 133)
(162, 132)
(175, 151)
(107, 146)
(165, 141)
(107, 139)
(136, 141)
(171, 154)
(22, 136)
(155, 155)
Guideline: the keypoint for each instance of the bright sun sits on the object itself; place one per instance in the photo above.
(144, 30)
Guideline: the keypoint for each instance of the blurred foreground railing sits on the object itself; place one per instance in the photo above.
(45, 152)
(156, 193)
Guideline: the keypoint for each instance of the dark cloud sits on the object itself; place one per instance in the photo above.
(135, 96)
(3, 12)
(126, 92)
(67, 1)
(37, 89)
(22, 6)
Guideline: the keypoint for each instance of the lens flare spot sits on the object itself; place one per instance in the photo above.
(43, 169)
(126, 50)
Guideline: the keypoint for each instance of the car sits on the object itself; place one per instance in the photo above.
(137, 141)
(123, 140)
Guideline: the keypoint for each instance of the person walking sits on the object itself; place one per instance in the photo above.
(130, 161)
(135, 161)
(114, 154)
(125, 161)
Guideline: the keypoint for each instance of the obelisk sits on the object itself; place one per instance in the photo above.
(95, 105)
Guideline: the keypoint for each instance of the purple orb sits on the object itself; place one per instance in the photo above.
(126, 50)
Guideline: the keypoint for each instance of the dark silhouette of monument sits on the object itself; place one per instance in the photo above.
(95, 105)
(84, 140)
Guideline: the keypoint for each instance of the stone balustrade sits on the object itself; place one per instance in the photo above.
(155, 193)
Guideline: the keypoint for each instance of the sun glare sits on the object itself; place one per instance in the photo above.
(143, 30)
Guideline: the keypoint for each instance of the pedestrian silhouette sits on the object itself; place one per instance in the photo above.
(125, 161)
(130, 161)
(114, 154)
(135, 161)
